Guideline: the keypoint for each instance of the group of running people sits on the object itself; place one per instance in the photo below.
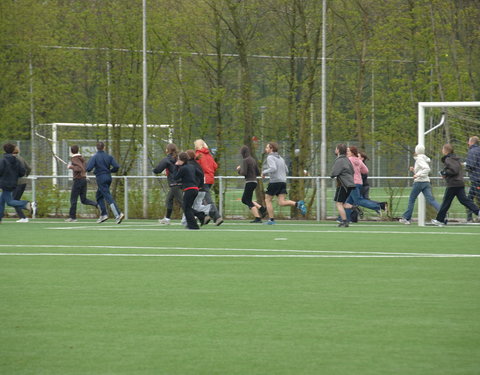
(349, 168)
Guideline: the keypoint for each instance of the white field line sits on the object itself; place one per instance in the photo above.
(242, 255)
(314, 252)
(223, 230)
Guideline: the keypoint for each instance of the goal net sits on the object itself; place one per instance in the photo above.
(440, 123)
(53, 143)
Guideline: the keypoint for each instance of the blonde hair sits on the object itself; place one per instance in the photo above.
(199, 144)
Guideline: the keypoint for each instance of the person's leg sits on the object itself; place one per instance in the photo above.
(247, 200)
(269, 204)
(188, 199)
(74, 198)
(2, 204)
(416, 189)
(427, 192)
(446, 203)
(463, 199)
(169, 203)
(198, 204)
(101, 201)
(83, 193)
(208, 200)
(282, 201)
(104, 187)
(17, 194)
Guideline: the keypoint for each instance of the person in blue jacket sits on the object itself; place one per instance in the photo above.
(104, 165)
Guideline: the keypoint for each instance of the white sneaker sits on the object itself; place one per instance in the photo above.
(164, 221)
(24, 220)
(404, 221)
(438, 223)
(102, 218)
(70, 220)
(120, 218)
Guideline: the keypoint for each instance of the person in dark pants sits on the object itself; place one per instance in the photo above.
(189, 176)
(104, 165)
(10, 170)
(472, 165)
(250, 170)
(453, 175)
(79, 187)
(167, 164)
(21, 185)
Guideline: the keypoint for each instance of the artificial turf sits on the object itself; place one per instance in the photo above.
(295, 298)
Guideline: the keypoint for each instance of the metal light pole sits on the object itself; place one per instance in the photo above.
(323, 146)
(145, 95)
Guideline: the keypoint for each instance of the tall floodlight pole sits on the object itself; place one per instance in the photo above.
(323, 146)
(32, 122)
(145, 94)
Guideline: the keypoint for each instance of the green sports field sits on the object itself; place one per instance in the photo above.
(294, 298)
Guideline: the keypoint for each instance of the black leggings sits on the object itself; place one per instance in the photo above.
(248, 194)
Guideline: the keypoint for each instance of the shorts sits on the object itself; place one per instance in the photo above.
(341, 194)
(276, 188)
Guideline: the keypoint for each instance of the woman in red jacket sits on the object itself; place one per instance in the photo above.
(209, 166)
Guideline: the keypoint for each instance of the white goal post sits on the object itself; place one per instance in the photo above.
(421, 138)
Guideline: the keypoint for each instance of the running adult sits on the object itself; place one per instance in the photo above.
(343, 172)
(104, 165)
(167, 164)
(21, 185)
(453, 175)
(472, 165)
(276, 168)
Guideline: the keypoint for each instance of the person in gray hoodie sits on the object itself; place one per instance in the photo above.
(453, 175)
(343, 171)
(421, 184)
(276, 168)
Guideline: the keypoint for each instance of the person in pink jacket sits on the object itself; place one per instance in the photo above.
(356, 198)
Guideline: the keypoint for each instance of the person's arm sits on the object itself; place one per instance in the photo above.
(114, 165)
(452, 168)
(161, 166)
(363, 167)
(271, 166)
(91, 164)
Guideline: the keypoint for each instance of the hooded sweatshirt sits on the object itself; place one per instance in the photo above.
(275, 167)
(453, 171)
(78, 167)
(248, 166)
(359, 168)
(10, 170)
(422, 165)
(208, 164)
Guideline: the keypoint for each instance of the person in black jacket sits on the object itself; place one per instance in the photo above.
(249, 169)
(167, 164)
(189, 176)
(21, 185)
(11, 169)
(453, 175)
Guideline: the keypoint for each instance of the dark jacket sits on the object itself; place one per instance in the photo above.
(343, 170)
(453, 171)
(167, 164)
(28, 169)
(248, 166)
(78, 167)
(473, 163)
(103, 164)
(10, 170)
(199, 176)
(188, 174)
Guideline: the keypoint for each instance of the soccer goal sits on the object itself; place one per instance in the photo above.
(54, 141)
(445, 122)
